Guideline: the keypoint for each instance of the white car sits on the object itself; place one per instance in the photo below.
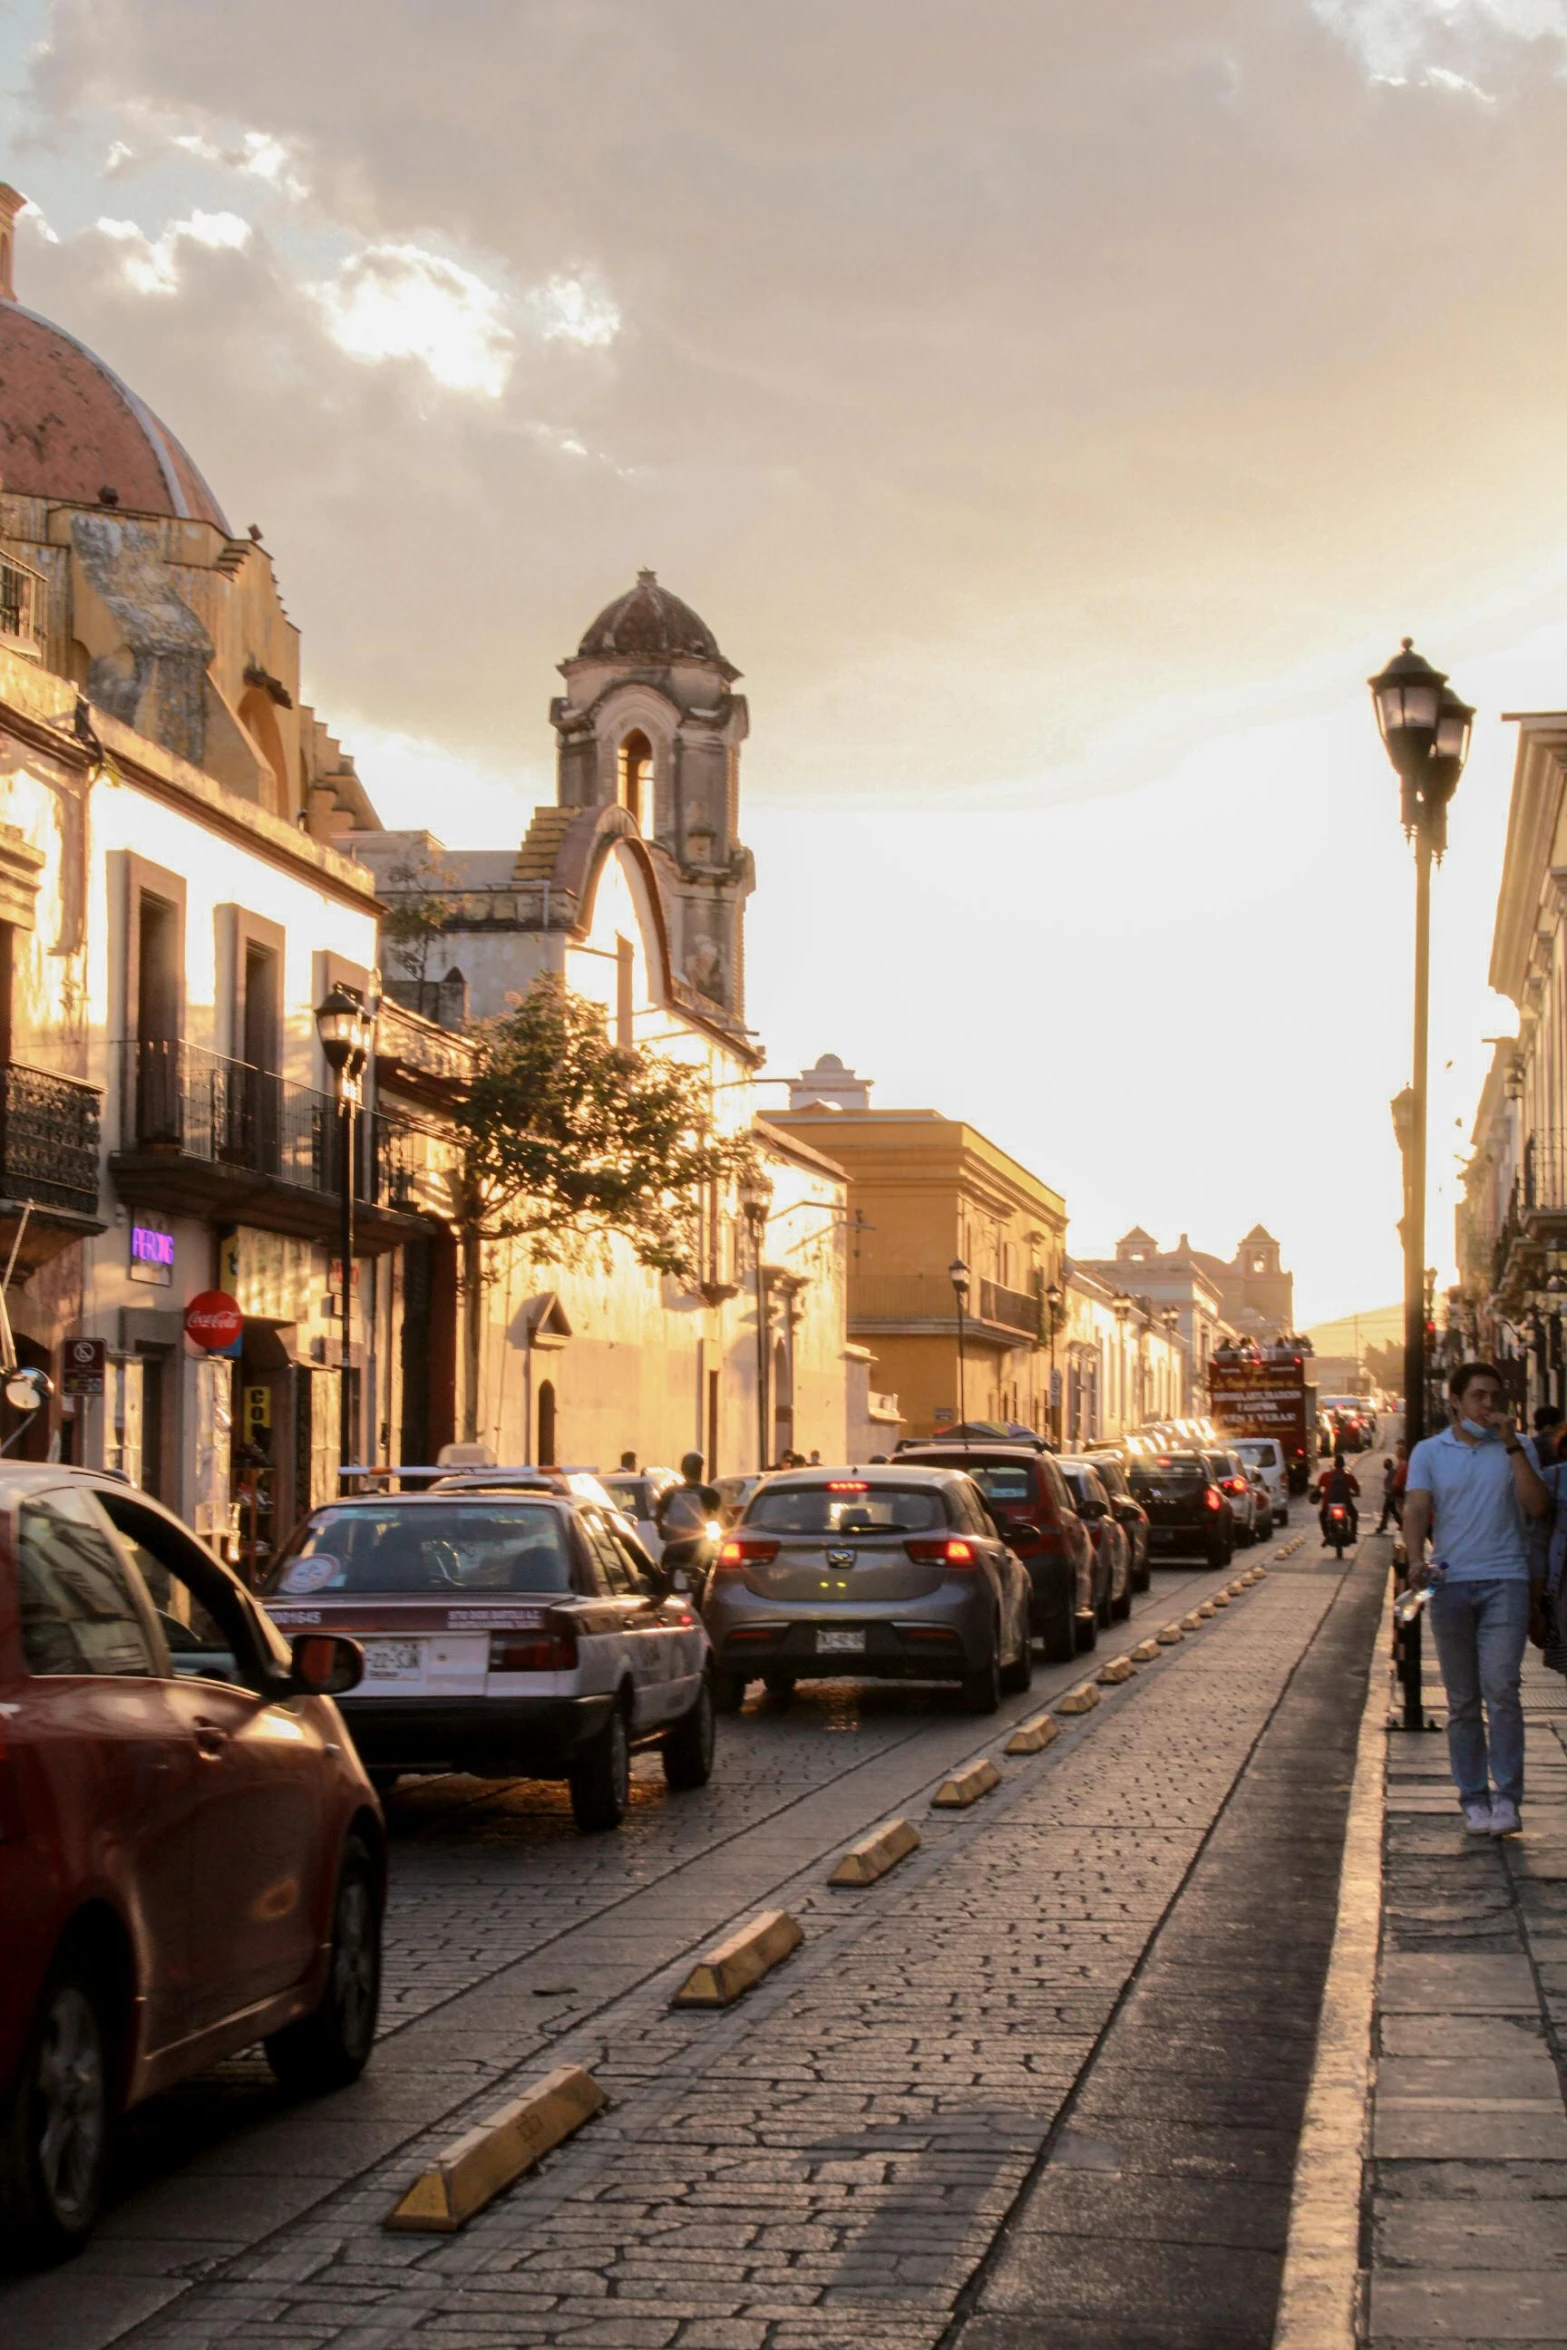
(506, 1632)
(638, 1492)
(1265, 1453)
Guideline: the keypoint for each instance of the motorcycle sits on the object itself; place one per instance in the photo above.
(1337, 1528)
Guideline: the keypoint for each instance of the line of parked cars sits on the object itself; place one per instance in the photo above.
(192, 1850)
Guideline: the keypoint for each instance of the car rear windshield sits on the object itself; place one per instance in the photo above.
(1168, 1469)
(632, 1493)
(460, 1547)
(843, 1508)
(1265, 1456)
(1006, 1488)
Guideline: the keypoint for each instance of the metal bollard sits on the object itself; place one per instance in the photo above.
(1406, 1658)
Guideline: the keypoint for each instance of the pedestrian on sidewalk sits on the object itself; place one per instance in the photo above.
(1395, 1475)
(1473, 1490)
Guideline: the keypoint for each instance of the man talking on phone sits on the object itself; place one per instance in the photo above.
(1473, 1490)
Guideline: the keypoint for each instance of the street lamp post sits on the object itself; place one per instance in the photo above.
(957, 1274)
(1055, 1298)
(1425, 729)
(347, 1033)
(1121, 1307)
(756, 1199)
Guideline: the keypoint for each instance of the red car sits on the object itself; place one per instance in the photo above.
(191, 1856)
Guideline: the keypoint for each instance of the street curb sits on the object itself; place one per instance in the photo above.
(469, 2173)
(1080, 1700)
(876, 1853)
(1032, 1736)
(1320, 2296)
(731, 1967)
(964, 1787)
(1119, 1668)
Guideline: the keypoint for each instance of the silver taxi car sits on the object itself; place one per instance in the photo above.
(507, 1633)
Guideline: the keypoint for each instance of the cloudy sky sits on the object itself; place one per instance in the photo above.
(1056, 411)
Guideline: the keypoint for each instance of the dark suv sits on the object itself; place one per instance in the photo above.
(1188, 1515)
(1028, 1498)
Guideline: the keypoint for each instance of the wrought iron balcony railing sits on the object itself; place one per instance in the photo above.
(22, 609)
(891, 1299)
(1012, 1309)
(175, 1097)
(49, 1139)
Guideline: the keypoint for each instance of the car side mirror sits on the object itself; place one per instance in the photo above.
(1020, 1530)
(325, 1664)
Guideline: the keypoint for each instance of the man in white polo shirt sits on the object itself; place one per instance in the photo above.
(1473, 1490)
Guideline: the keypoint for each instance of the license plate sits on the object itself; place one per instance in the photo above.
(840, 1643)
(394, 1660)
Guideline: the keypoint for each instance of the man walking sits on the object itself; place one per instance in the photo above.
(1473, 1489)
(1395, 1473)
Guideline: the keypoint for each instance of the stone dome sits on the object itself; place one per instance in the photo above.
(648, 624)
(70, 429)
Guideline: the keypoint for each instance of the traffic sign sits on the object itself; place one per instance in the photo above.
(83, 1364)
(213, 1322)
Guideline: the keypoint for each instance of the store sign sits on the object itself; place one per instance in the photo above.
(258, 1411)
(152, 1249)
(270, 1274)
(213, 1322)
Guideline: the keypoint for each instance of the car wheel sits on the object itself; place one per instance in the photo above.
(1104, 1613)
(1059, 1636)
(982, 1690)
(1087, 1633)
(688, 1747)
(779, 1685)
(1142, 1579)
(1121, 1608)
(601, 1778)
(1019, 1675)
(330, 2048)
(383, 1781)
(729, 1692)
(55, 2134)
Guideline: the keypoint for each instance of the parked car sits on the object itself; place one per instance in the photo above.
(1110, 1537)
(638, 1492)
(192, 1858)
(1247, 1516)
(1110, 1468)
(505, 1632)
(733, 1494)
(1188, 1515)
(1266, 1455)
(1028, 1497)
(896, 1573)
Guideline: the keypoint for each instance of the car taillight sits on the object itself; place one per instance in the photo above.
(952, 1551)
(532, 1652)
(1234, 1484)
(1213, 1497)
(742, 1551)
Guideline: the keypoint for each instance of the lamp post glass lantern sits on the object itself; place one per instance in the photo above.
(1425, 730)
(346, 1028)
(957, 1274)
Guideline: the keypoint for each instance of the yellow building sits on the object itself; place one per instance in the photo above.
(926, 1192)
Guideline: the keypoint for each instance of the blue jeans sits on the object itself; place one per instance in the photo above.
(1480, 1631)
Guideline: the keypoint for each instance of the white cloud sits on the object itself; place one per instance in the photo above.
(258, 154)
(153, 266)
(574, 310)
(118, 156)
(401, 302)
(1396, 38)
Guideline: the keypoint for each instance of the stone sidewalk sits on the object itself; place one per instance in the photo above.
(1465, 2186)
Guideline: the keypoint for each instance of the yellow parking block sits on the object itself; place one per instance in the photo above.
(1193, 1622)
(966, 1786)
(1145, 1652)
(1205, 1607)
(1080, 1700)
(1029, 1737)
(1120, 1668)
(474, 2169)
(718, 1978)
(876, 1853)
(1219, 1599)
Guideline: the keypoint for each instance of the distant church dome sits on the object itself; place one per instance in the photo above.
(70, 429)
(648, 624)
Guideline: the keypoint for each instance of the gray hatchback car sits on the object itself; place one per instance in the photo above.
(894, 1573)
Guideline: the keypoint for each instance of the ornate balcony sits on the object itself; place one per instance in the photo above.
(209, 1136)
(49, 1139)
(23, 607)
(914, 1305)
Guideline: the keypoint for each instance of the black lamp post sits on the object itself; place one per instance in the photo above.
(756, 1199)
(1055, 1298)
(1425, 729)
(347, 1033)
(957, 1274)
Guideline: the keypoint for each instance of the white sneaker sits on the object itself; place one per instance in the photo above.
(1478, 1818)
(1504, 1817)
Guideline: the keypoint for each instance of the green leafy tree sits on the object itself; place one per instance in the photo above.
(418, 901)
(568, 1138)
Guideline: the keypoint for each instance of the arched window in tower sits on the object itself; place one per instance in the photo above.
(634, 784)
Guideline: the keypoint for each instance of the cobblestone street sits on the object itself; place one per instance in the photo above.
(834, 2160)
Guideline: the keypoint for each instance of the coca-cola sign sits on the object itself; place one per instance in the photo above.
(214, 1322)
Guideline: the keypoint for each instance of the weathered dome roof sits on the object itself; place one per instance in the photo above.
(647, 623)
(69, 429)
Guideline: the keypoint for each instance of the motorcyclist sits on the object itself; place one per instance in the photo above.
(684, 1517)
(1337, 1485)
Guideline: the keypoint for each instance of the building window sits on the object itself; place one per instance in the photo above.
(634, 780)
